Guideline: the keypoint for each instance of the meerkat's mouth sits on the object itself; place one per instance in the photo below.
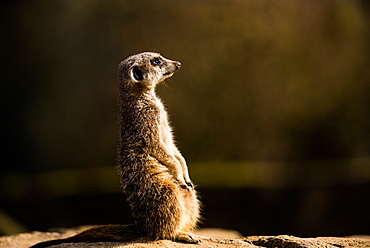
(167, 74)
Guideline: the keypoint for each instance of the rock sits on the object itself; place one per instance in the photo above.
(285, 241)
(215, 238)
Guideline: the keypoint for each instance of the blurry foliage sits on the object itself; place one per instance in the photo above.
(261, 79)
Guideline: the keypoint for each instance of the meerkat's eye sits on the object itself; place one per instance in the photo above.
(156, 61)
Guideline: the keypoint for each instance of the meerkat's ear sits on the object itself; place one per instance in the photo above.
(137, 74)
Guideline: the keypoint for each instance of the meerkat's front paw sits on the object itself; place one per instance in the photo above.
(186, 237)
(190, 185)
(186, 185)
(182, 182)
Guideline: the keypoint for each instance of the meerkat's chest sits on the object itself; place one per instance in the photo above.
(161, 111)
(162, 122)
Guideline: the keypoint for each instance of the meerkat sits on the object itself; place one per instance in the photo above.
(154, 174)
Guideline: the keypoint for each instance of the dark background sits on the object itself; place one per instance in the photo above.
(271, 110)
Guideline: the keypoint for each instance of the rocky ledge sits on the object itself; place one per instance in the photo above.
(210, 238)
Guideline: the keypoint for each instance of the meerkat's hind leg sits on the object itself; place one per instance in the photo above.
(187, 237)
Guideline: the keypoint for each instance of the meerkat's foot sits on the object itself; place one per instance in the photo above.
(187, 237)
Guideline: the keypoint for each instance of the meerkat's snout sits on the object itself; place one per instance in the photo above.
(171, 68)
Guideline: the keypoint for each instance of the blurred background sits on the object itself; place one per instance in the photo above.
(271, 109)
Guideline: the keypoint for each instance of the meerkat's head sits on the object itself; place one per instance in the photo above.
(146, 70)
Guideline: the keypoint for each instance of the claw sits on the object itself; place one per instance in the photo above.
(183, 186)
(188, 238)
(190, 184)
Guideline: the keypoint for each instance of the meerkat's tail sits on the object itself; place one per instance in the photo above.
(104, 233)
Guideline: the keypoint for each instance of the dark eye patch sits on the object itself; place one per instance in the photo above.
(156, 61)
(138, 74)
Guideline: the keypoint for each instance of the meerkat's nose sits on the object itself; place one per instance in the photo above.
(178, 65)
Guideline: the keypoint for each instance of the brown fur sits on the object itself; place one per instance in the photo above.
(154, 174)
